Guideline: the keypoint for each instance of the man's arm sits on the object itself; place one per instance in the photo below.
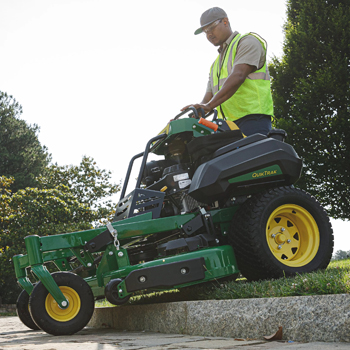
(231, 85)
(207, 97)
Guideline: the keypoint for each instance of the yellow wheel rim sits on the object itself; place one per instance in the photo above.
(63, 315)
(292, 235)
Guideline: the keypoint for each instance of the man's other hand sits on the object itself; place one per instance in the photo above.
(205, 107)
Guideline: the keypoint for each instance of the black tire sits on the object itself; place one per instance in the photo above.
(111, 293)
(22, 309)
(53, 320)
(282, 231)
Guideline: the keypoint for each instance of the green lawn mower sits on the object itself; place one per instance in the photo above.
(216, 204)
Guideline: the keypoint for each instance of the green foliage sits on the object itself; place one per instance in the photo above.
(8, 313)
(341, 254)
(64, 202)
(311, 94)
(33, 211)
(21, 154)
(89, 185)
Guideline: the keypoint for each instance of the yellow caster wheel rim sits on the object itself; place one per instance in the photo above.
(63, 315)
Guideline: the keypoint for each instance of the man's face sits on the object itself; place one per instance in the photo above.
(218, 32)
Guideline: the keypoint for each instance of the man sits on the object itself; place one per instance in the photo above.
(239, 82)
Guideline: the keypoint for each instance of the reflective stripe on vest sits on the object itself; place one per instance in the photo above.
(252, 76)
(254, 94)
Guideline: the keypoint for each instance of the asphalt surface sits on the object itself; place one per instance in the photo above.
(14, 335)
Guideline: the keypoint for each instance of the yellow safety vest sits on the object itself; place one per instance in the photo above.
(253, 96)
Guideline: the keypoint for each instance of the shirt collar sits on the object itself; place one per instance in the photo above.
(227, 42)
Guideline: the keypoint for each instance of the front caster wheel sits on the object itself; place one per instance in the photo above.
(50, 317)
(22, 309)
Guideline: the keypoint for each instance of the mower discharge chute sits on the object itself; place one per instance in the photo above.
(217, 204)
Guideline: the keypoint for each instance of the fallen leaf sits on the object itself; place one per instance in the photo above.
(275, 336)
(240, 339)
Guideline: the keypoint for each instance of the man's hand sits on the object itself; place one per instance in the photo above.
(229, 88)
(205, 107)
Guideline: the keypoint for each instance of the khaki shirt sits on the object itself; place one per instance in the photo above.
(249, 51)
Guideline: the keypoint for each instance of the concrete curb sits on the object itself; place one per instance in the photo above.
(324, 318)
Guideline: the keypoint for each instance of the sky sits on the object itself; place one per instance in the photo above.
(102, 77)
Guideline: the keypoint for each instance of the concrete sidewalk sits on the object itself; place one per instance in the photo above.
(15, 336)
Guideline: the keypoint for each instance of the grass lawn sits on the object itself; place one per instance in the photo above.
(334, 280)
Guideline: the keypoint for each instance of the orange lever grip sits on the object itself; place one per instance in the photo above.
(209, 124)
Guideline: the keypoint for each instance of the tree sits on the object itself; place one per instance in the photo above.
(21, 154)
(68, 199)
(311, 94)
(90, 185)
(341, 254)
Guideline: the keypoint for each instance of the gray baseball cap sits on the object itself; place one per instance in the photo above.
(209, 17)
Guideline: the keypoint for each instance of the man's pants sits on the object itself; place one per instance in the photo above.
(254, 123)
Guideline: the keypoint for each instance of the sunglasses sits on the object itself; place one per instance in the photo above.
(211, 27)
